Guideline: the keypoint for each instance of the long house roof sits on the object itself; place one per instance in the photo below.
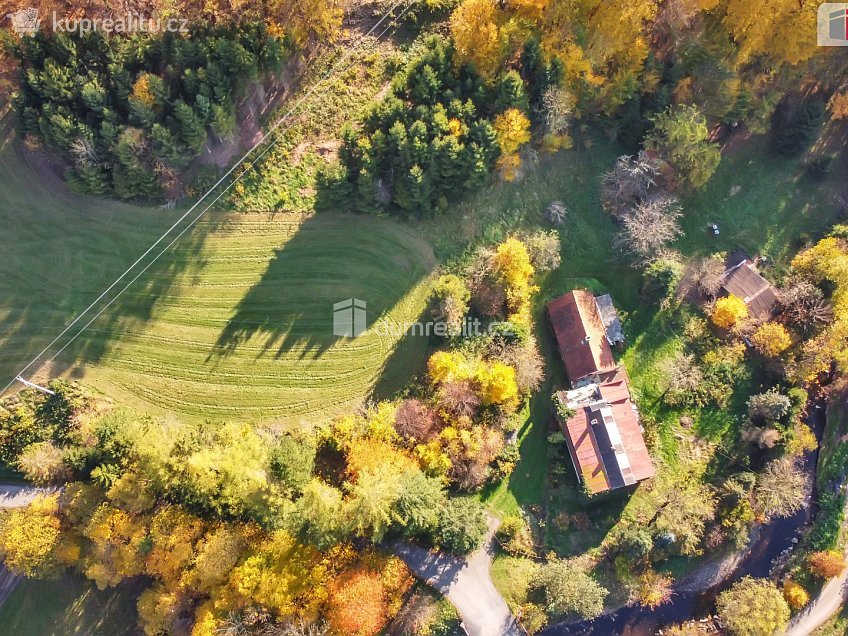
(605, 440)
(581, 335)
(604, 436)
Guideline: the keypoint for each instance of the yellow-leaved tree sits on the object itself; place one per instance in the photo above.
(795, 594)
(826, 262)
(447, 365)
(729, 312)
(512, 265)
(786, 32)
(306, 20)
(476, 29)
(513, 130)
(31, 538)
(771, 339)
(497, 384)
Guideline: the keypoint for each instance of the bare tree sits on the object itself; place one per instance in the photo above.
(762, 436)
(675, 18)
(544, 250)
(781, 489)
(710, 274)
(556, 213)
(83, 151)
(296, 628)
(650, 227)
(558, 106)
(416, 616)
(43, 463)
(416, 421)
(234, 625)
(630, 182)
(459, 399)
(528, 363)
(683, 379)
(803, 305)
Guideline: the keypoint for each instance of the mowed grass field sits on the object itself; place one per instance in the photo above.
(234, 322)
(70, 605)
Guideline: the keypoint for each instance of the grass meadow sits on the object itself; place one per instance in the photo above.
(71, 605)
(235, 321)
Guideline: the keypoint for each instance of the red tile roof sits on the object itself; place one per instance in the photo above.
(580, 335)
(617, 395)
(601, 462)
(585, 453)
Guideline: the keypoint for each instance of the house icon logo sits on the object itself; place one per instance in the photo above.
(349, 318)
(25, 21)
(833, 24)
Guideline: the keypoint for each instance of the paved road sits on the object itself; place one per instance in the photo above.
(467, 584)
(833, 595)
(20, 495)
(825, 605)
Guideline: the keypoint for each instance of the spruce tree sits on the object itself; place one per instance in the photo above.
(192, 130)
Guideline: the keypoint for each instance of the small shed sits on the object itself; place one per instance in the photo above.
(744, 281)
(609, 316)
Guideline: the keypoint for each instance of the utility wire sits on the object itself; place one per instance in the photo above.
(272, 131)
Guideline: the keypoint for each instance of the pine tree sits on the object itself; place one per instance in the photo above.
(223, 120)
(192, 130)
(167, 146)
(510, 93)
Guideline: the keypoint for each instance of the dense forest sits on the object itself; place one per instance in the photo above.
(130, 113)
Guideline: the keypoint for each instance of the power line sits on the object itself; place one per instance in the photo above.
(273, 130)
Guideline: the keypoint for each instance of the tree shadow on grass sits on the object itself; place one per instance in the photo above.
(331, 258)
(62, 250)
(408, 359)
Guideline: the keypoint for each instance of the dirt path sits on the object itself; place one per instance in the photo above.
(467, 584)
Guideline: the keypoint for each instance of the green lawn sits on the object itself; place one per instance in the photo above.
(512, 577)
(774, 210)
(71, 605)
(235, 321)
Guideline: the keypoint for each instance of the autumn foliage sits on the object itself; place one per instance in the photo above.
(513, 131)
(827, 564)
(360, 601)
(795, 594)
(771, 339)
(729, 312)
